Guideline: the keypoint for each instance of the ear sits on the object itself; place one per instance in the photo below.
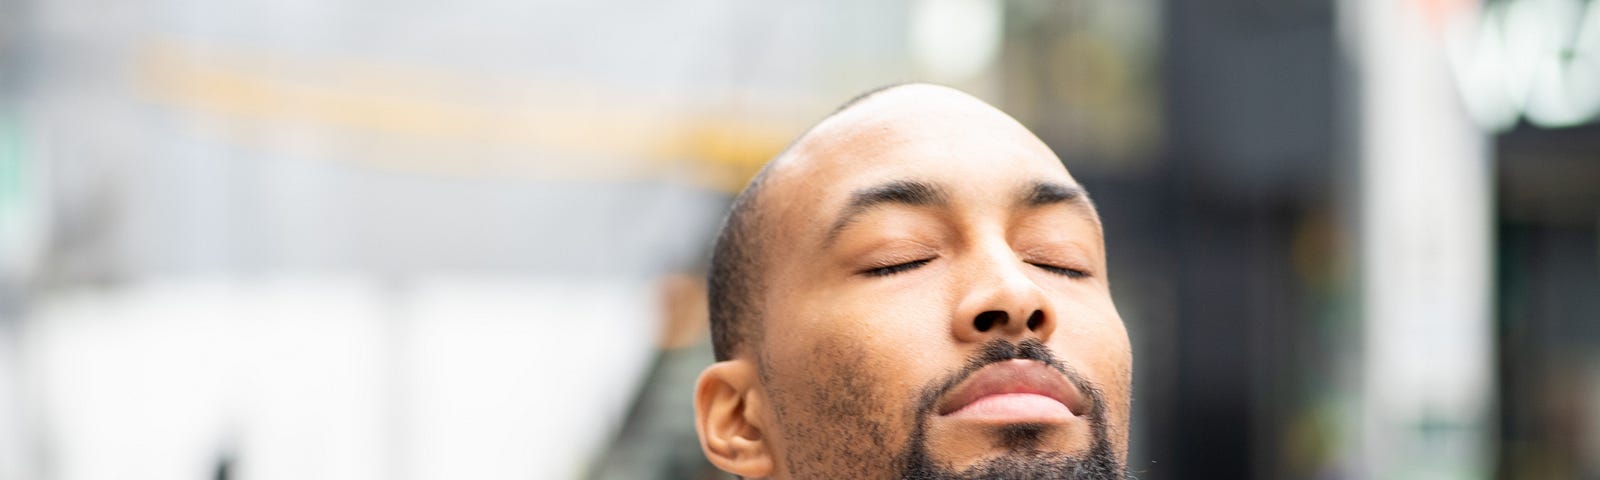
(727, 414)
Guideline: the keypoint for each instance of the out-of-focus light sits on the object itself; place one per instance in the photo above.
(21, 209)
(1533, 59)
(1567, 88)
(955, 40)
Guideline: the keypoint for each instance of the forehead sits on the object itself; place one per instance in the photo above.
(923, 133)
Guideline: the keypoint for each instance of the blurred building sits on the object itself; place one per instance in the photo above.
(352, 239)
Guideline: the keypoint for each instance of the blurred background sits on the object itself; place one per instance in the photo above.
(351, 239)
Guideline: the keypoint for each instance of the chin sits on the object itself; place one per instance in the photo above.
(966, 442)
(1020, 450)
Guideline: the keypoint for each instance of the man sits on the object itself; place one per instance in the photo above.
(915, 289)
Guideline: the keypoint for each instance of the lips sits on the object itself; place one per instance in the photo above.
(1014, 390)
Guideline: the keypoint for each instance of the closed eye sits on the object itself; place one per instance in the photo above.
(1062, 271)
(896, 268)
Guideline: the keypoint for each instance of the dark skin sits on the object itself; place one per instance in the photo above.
(917, 228)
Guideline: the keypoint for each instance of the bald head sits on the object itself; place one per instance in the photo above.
(896, 117)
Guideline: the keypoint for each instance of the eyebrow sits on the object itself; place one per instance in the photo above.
(1044, 194)
(1050, 193)
(901, 192)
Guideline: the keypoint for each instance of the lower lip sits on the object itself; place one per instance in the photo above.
(1014, 407)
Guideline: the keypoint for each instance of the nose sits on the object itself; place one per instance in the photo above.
(1001, 301)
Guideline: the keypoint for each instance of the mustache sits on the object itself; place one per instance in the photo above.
(999, 350)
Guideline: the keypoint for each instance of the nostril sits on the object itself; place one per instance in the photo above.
(987, 320)
(1035, 320)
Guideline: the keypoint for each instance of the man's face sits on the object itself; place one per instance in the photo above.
(937, 302)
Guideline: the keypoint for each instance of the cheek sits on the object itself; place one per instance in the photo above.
(1090, 329)
(893, 342)
(896, 325)
(831, 397)
(886, 345)
(1093, 338)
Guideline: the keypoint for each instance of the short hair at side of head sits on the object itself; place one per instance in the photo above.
(734, 281)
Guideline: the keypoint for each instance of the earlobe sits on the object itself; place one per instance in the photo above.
(727, 407)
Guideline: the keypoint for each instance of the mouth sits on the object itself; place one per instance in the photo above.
(1015, 391)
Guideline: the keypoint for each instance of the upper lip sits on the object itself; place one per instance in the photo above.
(1015, 376)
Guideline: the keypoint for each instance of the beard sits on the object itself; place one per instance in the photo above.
(834, 420)
(1023, 461)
